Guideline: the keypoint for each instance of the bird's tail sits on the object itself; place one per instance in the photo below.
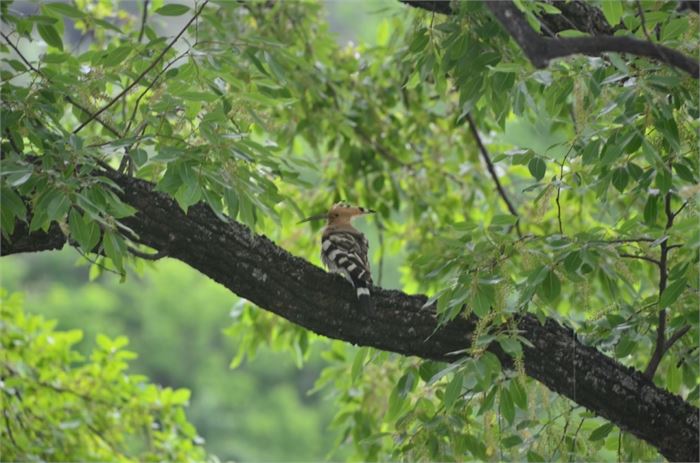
(363, 295)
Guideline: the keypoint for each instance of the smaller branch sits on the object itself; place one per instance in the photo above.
(646, 32)
(149, 87)
(561, 179)
(492, 172)
(676, 336)
(661, 345)
(630, 240)
(9, 429)
(145, 71)
(144, 17)
(540, 50)
(648, 259)
(144, 255)
(674, 246)
(680, 209)
(12, 141)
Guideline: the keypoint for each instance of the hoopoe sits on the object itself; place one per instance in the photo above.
(344, 248)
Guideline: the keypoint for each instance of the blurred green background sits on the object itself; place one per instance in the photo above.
(175, 319)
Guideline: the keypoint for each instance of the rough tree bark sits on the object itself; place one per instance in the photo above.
(255, 268)
(576, 15)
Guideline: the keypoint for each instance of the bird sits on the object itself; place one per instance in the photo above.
(344, 248)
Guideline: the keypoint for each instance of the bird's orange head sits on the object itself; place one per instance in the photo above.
(340, 213)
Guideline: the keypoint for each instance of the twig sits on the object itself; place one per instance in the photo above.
(540, 50)
(9, 429)
(149, 87)
(680, 208)
(646, 32)
(68, 98)
(561, 179)
(619, 446)
(628, 240)
(144, 255)
(660, 346)
(145, 71)
(12, 142)
(676, 336)
(649, 259)
(573, 441)
(492, 171)
(144, 17)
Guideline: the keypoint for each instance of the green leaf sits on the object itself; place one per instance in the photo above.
(358, 363)
(511, 441)
(620, 178)
(117, 55)
(671, 293)
(612, 9)
(85, 231)
(483, 299)
(506, 405)
(58, 205)
(518, 394)
(64, 9)
(50, 35)
(601, 432)
(511, 346)
(173, 9)
(651, 210)
(664, 180)
(476, 447)
(115, 248)
(537, 167)
(550, 288)
(453, 390)
(396, 401)
(673, 378)
(232, 202)
(684, 172)
(573, 261)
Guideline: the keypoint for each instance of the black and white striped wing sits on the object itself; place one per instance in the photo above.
(345, 252)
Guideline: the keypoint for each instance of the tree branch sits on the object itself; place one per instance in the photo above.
(144, 18)
(492, 172)
(575, 14)
(255, 268)
(145, 71)
(676, 336)
(648, 259)
(540, 50)
(660, 347)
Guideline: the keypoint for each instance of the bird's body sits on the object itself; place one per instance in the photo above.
(344, 249)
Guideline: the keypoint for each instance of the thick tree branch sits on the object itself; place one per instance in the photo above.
(540, 50)
(255, 268)
(575, 14)
(24, 241)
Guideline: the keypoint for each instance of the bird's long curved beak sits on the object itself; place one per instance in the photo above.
(315, 217)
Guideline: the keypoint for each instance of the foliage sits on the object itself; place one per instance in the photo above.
(237, 412)
(260, 114)
(59, 405)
